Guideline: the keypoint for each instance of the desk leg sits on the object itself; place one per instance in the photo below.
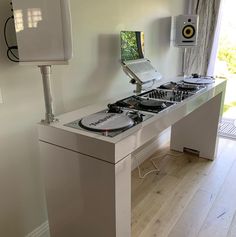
(85, 196)
(198, 130)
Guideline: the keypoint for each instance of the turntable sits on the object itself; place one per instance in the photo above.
(104, 121)
(110, 122)
(182, 86)
(199, 80)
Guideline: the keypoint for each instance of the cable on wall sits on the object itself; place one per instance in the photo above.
(10, 49)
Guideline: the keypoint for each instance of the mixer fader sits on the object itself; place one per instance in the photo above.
(169, 95)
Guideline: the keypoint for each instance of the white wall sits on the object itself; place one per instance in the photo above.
(94, 74)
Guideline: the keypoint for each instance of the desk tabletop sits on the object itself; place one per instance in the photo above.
(113, 149)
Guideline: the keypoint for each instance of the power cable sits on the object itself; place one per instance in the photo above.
(10, 54)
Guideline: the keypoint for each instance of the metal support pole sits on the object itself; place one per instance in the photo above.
(46, 73)
(190, 6)
(183, 62)
(133, 80)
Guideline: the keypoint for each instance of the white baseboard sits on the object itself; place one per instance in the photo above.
(41, 231)
(150, 148)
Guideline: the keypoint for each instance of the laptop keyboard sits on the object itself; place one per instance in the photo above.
(141, 67)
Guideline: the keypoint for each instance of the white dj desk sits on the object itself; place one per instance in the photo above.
(88, 176)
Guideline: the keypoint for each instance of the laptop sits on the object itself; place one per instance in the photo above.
(132, 57)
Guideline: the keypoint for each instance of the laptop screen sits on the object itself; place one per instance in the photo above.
(132, 45)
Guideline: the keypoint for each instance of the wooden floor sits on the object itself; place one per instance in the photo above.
(189, 197)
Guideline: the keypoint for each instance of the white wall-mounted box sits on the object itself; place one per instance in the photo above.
(43, 31)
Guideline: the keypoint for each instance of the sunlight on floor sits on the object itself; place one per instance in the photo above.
(230, 98)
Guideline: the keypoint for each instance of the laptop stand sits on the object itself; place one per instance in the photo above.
(135, 80)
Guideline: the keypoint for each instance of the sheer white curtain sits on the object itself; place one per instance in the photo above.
(197, 59)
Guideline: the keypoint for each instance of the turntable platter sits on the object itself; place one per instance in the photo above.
(169, 85)
(199, 80)
(151, 104)
(188, 87)
(106, 122)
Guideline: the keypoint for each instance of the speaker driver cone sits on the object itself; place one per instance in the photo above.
(188, 31)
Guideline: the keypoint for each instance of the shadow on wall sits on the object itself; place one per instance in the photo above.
(108, 65)
(21, 197)
(161, 32)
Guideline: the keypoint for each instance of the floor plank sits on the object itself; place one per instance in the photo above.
(195, 213)
(192, 219)
(186, 197)
(232, 229)
(222, 212)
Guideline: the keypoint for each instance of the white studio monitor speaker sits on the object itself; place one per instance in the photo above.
(185, 30)
(43, 31)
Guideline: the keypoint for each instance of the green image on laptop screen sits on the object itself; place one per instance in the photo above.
(132, 45)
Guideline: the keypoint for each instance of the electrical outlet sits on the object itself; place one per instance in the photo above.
(1, 100)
